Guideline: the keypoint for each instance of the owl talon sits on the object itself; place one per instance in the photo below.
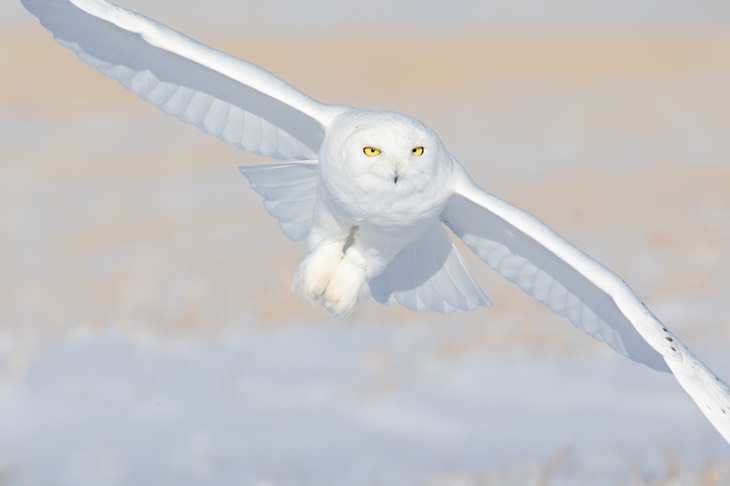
(331, 278)
(313, 275)
(347, 286)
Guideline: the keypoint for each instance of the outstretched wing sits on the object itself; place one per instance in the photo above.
(236, 101)
(550, 269)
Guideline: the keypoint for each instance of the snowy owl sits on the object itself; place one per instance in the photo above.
(371, 192)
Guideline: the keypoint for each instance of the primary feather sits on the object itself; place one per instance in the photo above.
(369, 194)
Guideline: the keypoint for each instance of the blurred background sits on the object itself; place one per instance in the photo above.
(148, 334)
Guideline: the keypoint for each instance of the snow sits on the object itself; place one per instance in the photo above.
(341, 404)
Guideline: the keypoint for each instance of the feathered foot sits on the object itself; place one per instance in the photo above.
(330, 277)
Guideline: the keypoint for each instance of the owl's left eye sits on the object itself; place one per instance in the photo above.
(417, 151)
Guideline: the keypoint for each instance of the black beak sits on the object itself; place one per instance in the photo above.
(395, 178)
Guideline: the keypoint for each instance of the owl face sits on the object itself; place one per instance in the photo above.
(385, 149)
(384, 164)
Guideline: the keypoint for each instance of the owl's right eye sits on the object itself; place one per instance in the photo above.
(371, 151)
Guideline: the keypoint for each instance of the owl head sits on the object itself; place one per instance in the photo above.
(384, 150)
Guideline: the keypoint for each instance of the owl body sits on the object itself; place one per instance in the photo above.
(377, 192)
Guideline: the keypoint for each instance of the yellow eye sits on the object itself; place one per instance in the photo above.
(371, 151)
(417, 152)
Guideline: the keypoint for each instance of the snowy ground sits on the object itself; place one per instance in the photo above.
(344, 405)
(147, 330)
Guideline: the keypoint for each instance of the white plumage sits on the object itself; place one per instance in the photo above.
(371, 193)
